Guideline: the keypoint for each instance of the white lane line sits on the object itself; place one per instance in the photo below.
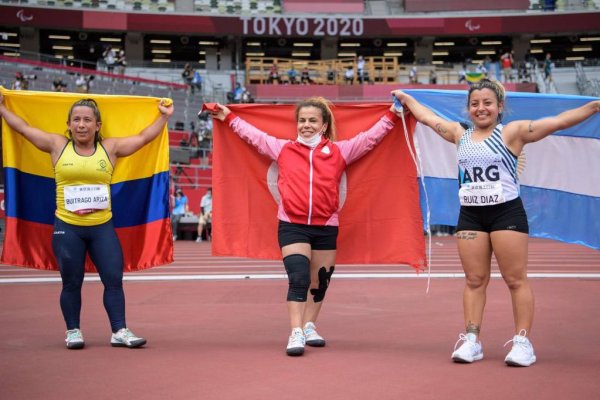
(143, 277)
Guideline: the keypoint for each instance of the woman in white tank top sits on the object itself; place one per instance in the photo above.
(487, 155)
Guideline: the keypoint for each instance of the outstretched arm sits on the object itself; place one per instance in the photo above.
(451, 131)
(519, 133)
(47, 142)
(123, 147)
(263, 142)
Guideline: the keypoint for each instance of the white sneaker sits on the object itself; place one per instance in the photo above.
(296, 341)
(470, 350)
(74, 339)
(125, 338)
(198, 239)
(521, 354)
(312, 337)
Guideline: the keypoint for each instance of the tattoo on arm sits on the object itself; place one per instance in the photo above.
(530, 126)
(473, 328)
(466, 235)
(439, 128)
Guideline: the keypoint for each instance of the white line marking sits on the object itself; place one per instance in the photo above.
(142, 277)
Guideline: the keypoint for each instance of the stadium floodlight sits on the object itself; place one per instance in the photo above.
(582, 48)
(443, 43)
(540, 41)
(59, 37)
(590, 39)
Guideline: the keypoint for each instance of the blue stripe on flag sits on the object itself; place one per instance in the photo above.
(552, 214)
(33, 198)
(563, 216)
(140, 201)
(29, 197)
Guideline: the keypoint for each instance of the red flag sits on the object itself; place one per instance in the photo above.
(380, 222)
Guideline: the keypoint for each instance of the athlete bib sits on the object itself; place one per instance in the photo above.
(481, 194)
(85, 199)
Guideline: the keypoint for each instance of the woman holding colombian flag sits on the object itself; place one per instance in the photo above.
(310, 171)
(83, 165)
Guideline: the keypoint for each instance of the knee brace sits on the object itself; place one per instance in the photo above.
(324, 278)
(297, 267)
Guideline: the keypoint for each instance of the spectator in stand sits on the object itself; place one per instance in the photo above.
(331, 75)
(238, 92)
(349, 75)
(180, 208)
(360, 68)
(292, 75)
(413, 75)
(205, 217)
(305, 76)
(432, 77)
(109, 58)
(188, 75)
(274, 74)
(21, 82)
(481, 69)
(196, 81)
(121, 62)
(204, 133)
(58, 85)
(548, 67)
(462, 74)
(81, 84)
(507, 66)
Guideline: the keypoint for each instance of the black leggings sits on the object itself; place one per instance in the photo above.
(70, 244)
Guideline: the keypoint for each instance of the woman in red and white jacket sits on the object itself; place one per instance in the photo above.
(310, 171)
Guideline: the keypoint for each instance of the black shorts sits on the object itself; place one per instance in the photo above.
(318, 236)
(509, 216)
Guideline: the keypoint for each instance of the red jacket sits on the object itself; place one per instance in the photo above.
(308, 182)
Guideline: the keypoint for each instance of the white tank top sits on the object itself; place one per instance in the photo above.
(487, 170)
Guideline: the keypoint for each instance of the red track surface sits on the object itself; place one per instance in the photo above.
(224, 338)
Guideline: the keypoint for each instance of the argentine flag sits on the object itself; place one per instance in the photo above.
(560, 185)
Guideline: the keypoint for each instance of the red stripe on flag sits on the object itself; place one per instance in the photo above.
(146, 246)
(381, 220)
(29, 244)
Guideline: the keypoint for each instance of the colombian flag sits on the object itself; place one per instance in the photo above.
(140, 182)
(380, 221)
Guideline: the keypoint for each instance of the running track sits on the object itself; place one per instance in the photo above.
(193, 261)
(217, 331)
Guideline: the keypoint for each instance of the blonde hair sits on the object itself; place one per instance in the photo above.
(494, 86)
(325, 106)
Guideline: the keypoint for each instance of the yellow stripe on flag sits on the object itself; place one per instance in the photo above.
(122, 116)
